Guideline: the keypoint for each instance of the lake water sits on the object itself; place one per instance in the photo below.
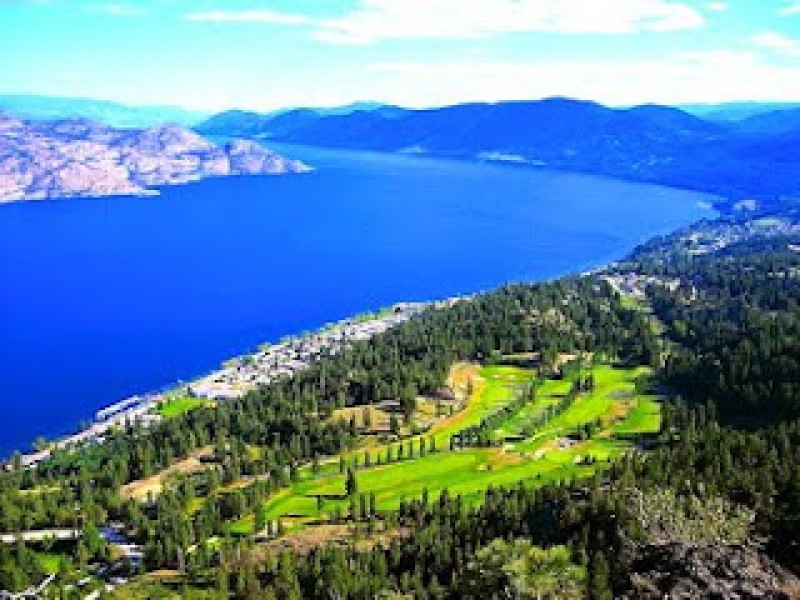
(104, 298)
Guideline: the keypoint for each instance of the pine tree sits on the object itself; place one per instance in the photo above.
(600, 578)
(351, 484)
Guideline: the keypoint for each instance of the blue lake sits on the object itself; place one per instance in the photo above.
(104, 298)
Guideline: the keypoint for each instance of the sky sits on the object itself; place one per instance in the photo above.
(267, 54)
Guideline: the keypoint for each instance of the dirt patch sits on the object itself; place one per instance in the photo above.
(164, 575)
(618, 411)
(321, 535)
(302, 542)
(499, 458)
(429, 411)
(141, 489)
(563, 443)
(432, 411)
(565, 357)
(377, 415)
(382, 538)
(463, 376)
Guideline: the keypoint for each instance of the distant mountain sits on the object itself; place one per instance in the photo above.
(256, 124)
(770, 123)
(547, 128)
(112, 113)
(354, 107)
(81, 157)
(645, 143)
(553, 131)
(243, 122)
(735, 111)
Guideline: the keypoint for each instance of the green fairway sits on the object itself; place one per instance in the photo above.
(644, 418)
(467, 472)
(492, 388)
(551, 453)
(179, 405)
(548, 393)
(614, 396)
(49, 561)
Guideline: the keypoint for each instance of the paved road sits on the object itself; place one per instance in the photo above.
(41, 535)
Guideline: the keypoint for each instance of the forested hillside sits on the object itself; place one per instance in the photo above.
(555, 440)
(739, 161)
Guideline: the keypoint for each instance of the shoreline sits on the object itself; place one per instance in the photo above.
(156, 394)
(236, 376)
(143, 406)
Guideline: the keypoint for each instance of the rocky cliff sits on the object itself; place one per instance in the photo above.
(80, 157)
(688, 572)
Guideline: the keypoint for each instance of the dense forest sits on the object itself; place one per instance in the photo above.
(724, 470)
(728, 461)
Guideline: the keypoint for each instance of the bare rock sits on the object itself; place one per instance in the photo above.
(249, 158)
(682, 571)
(81, 157)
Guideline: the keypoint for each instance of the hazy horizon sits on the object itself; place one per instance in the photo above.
(203, 113)
(211, 55)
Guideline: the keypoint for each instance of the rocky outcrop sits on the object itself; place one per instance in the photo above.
(683, 571)
(81, 157)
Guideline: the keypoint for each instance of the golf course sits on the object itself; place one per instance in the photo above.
(537, 431)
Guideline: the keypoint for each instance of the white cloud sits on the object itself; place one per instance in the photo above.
(717, 6)
(777, 42)
(376, 20)
(791, 9)
(710, 77)
(247, 16)
(707, 77)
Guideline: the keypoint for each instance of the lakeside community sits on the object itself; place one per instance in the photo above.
(578, 428)
(236, 377)
(239, 375)
(272, 361)
(498, 396)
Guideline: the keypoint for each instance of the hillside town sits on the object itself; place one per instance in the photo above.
(286, 358)
(239, 375)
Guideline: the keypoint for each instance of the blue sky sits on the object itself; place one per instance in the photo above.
(264, 54)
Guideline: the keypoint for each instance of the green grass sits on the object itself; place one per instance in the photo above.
(465, 472)
(495, 389)
(499, 386)
(614, 391)
(49, 561)
(180, 405)
(645, 418)
(373, 315)
(538, 460)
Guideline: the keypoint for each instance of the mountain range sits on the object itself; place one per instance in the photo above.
(36, 107)
(81, 157)
(753, 157)
(729, 112)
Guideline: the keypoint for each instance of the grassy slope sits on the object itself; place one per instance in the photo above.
(538, 459)
(49, 561)
(180, 405)
(614, 395)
